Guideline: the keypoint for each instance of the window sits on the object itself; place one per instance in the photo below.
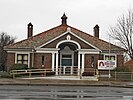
(66, 60)
(110, 57)
(92, 61)
(42, 61)
(22, 59)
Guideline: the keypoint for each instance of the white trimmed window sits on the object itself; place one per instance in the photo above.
(22, 59)
(109, 57)
(66, 60)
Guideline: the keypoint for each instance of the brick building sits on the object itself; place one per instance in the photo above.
(63, 47)
(129, 65)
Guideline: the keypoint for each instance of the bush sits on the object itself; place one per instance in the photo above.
(19, 67)
(121, 69)
(5, 75)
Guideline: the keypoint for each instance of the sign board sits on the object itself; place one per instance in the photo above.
(106, 64)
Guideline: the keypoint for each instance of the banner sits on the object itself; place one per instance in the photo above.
(106, 64)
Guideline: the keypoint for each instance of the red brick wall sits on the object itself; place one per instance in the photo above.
(37, 60)
(10, 60)
(47, 60)
(88, 58)
(120, 61)
(129, 64)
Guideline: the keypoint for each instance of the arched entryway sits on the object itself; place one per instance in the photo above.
(68, 57)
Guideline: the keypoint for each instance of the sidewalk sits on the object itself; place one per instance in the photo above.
(57, 82)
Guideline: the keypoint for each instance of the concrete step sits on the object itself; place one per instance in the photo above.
(90, 78)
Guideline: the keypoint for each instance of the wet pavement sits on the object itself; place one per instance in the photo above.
(40, 92)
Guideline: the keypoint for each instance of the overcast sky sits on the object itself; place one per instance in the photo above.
(46, 14)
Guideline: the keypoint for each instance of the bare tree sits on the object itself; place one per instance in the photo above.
(123, 32)
(4, 40)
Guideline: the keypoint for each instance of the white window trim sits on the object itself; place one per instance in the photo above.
(46, 50)
(72, 41)
(111, 55)
(23, 53)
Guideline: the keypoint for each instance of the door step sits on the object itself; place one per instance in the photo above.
(91, 78)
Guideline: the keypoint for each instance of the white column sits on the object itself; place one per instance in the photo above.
(56, 63)
(64, 70)
(83, 62)
(78, 63)
(53, 59)
(71, 70)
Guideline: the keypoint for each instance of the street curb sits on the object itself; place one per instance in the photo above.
(54, 82)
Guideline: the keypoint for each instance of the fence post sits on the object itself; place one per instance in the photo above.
(131, 76)
(80, 73)
(97, 73)
(115, 75)
(45, 72)
(13, 75)
(29, 73)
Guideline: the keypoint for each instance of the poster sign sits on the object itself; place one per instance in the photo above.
(106, 64)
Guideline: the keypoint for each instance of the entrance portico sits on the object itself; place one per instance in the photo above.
(67, 57)
(70, 53)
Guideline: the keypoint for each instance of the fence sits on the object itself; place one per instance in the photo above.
(31, 72)
(117, 76)
(47, 72)
(122, 76)
(127, 76)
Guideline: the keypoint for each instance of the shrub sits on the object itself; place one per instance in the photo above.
(5, 75)
(19, 67)
(122, 69)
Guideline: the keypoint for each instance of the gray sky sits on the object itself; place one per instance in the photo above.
(46, 14)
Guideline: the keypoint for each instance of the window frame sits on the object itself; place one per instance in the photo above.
(110, 55)
(43, 60)
(72, 57)
(22, 53)
(22, 60)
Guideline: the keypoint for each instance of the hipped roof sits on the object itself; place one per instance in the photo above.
(44, 37)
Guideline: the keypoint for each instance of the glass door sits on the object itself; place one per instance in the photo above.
(66, 63)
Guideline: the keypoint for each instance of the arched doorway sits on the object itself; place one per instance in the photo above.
(68, 58)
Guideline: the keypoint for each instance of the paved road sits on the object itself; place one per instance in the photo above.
(20, 92)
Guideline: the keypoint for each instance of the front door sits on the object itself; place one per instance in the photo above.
(66, 63)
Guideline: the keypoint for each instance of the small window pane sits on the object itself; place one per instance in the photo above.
(66, 56)
(25, 62)
(66, 62)
(19, 62)
(19, 57)
(42, 60)
(107, 57)
(25, 57)
(112, 57)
